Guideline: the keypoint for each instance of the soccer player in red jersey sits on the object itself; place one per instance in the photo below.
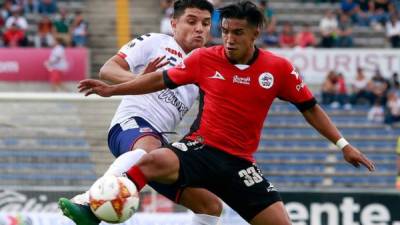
(238, 83)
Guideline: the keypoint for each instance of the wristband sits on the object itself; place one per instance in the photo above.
(341, 143)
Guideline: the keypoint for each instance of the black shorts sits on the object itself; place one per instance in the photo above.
(238, 182)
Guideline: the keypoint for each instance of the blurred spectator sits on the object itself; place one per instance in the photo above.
(31, 6)
(328, 26)
(215, 21)
(349, 8)
(393, 109)
(306, 38)
(79, 30)
(344, 32)
(268, 13)
(17, 18)
(57, 65)
(393, 31)
(381, 10)
(341, 92)
(5, 10)
(329, 88)
(165, 5)
(167, 11)
(287, 38)
(376, 113)
(61, 27)
(364, 13)
(165, 24)
(378, 86)
(47, 6)
(44, 36)
(270, 37)
(14, 36)
(360, 89)
(394, 84)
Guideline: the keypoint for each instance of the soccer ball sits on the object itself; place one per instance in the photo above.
(113, 199)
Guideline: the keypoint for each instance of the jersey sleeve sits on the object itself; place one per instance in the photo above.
(185, 73)
(136, 52)
(293, 89)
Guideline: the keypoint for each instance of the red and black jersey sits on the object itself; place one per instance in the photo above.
(235, 99)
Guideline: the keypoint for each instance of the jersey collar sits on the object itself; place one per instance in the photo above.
(251, 61)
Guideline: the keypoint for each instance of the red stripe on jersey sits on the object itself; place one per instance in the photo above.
(121, 54)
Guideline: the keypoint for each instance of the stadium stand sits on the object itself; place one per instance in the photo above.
(73, 150)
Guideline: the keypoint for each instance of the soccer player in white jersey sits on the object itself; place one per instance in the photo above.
(140, 121)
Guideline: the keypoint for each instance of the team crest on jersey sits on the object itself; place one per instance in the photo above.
(181, 146)
(266, 80)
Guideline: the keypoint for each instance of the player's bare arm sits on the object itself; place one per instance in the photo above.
(317, 118)
(142, 85)
(116, 69)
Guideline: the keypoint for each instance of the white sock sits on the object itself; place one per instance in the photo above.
(124, 162)
(204, 219)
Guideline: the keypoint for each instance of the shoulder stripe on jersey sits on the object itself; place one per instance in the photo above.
(121, 54)
(167, 81)
(196, 124)
(304, 106)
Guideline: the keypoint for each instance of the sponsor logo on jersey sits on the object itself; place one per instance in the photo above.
(169, 96)
(218, 76)
(241, 80)
(300, 86)
(181, 146)
(174, 52)
(266, 80)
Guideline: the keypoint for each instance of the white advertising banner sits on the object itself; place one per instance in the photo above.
(314, 64)
(137, 219)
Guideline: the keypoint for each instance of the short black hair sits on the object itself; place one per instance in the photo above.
(243, 10)
(181, 5)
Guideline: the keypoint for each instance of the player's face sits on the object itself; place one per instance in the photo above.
(192, 29)
(238, 37)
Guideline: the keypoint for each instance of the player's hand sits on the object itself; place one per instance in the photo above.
(353, 156)
(155, 64)
(91, 86)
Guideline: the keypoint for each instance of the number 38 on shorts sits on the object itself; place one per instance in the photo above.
(250, 176)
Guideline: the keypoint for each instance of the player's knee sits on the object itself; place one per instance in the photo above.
(211, 207)
(159, 165)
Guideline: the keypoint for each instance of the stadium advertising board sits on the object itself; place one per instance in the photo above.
(314, 64)
(26, 64)
(305, 208)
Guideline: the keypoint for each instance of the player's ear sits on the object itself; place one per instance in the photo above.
(256, 33)
(174, 21)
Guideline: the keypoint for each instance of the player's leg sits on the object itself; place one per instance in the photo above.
(125, 143)
(274, 214)
(251, 195)
(201, 201)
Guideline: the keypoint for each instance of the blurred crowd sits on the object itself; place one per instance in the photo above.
(379, 93)
(335, 29)
(38, 23)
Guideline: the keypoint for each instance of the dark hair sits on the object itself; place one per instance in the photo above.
(181, 5)
(243, 10)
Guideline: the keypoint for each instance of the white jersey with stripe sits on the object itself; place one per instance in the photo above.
(163, 109)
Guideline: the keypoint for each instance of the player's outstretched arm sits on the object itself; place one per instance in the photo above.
(142, 85)
(116, 69)
(317, 118)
